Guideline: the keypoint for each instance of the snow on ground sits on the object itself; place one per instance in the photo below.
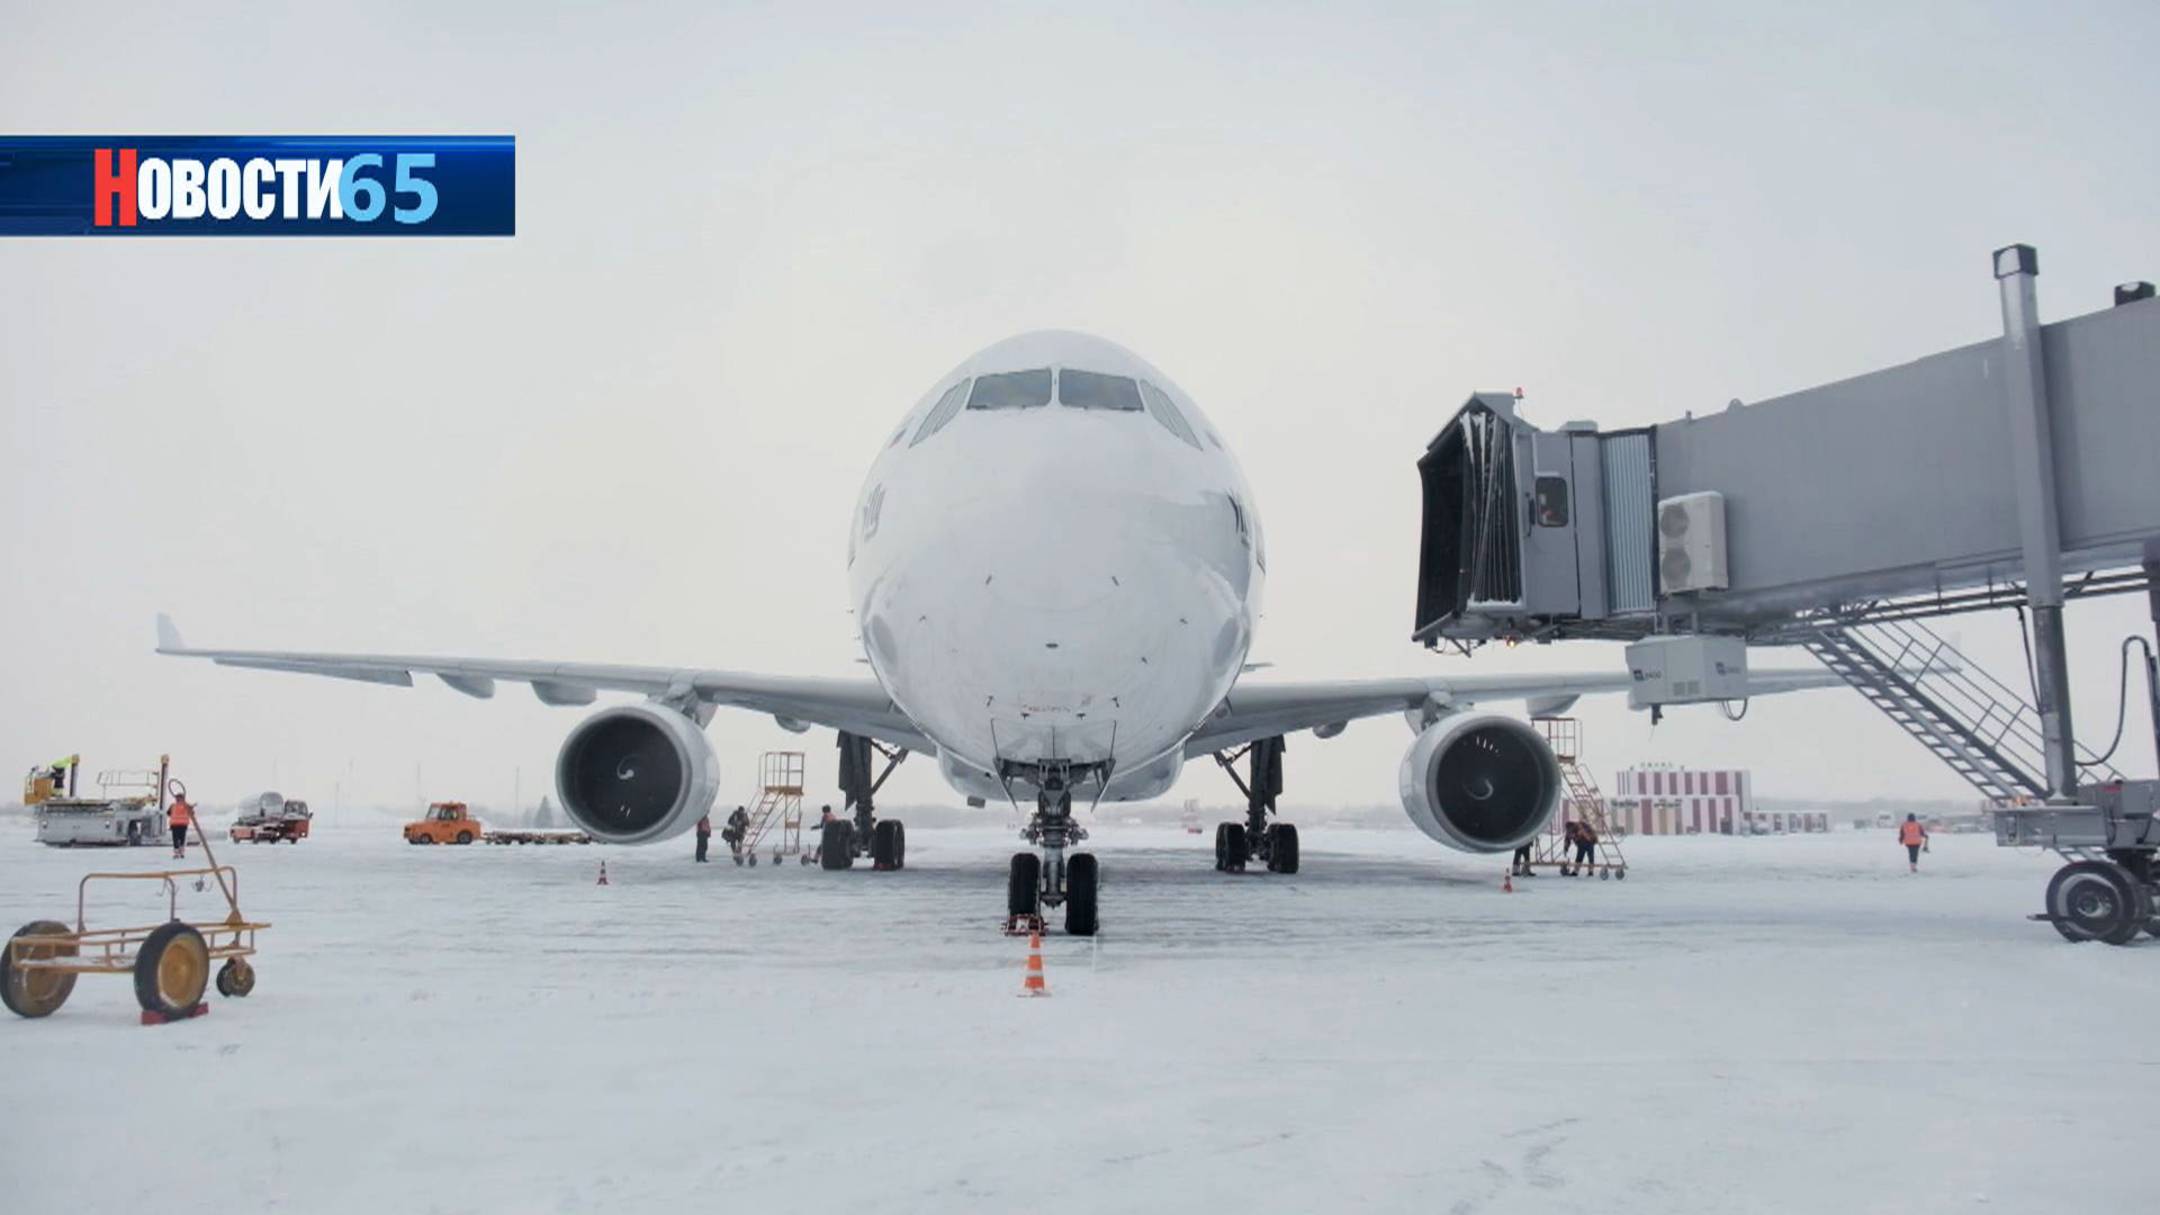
(1779, 1024)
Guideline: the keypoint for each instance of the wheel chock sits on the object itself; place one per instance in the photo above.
(158, 1018)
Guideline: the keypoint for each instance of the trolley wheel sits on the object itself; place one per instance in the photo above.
(36, 993)
(1620, 874)
(2096, 901)
(1282, 848)
(1082, 876)
(235, 978)
(464, 837)
(1023, 885)
(753, 860)
(171, 970)
(836, 847)
(1604, 874)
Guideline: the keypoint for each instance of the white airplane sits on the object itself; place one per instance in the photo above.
(1057, 569)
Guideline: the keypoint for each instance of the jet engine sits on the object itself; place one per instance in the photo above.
(635, 774)
(1480, 782)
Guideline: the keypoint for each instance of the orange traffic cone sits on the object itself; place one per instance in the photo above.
(603, 874)
(1507, 884)
(1033, 985)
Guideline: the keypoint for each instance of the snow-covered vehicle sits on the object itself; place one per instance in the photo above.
(270, 818)
(129, 808)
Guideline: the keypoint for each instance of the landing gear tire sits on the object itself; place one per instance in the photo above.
(1081, 880)
(1232, 849)
(836, 846)
(1023, 885)
(888, 845)
(2096, 901)
(1282, 848)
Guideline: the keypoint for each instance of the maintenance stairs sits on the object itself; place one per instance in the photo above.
(1582, 802)
(1986, 731)
(778, 812)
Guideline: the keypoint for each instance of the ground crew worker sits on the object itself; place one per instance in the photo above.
(704, 834)
(1585, 848)
(738, 830)
(181, 816)
(1915, 837)
(825, 819)
(1522, 861)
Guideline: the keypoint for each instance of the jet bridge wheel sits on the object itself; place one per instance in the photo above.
(1023, 885)
(2097, 901)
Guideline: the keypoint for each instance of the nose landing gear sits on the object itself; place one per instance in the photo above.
(1054, 879)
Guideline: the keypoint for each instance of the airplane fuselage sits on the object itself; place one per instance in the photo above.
(1054, 558)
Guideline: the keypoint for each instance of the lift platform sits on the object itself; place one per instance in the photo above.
(776, 819)
(1581, 802)
(2014, 473)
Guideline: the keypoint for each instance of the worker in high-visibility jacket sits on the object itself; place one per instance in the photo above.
(1914, 836)
(180, 816)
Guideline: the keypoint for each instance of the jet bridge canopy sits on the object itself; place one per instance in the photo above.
(1891, 484)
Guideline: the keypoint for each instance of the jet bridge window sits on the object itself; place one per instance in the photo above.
(1551, 501)
(1011, 390)
(1164, 410)
(942, 412)
(1094, 390)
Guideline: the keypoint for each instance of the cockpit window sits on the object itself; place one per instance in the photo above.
(1094, 390)
(1165, 411)
(942, 412)
(1011, 390)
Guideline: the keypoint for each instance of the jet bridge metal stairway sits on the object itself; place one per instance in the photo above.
(1984, 730)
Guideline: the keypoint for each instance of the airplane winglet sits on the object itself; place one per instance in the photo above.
(168, 636)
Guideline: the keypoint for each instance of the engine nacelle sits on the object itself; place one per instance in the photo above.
(636, 774)
(1480, 782)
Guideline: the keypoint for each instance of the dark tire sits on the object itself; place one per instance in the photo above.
(899, 844)
(1222, 847)
(1082, 878)
(235, 979)
(1023, 885)
(836, 845)
(415, 840)
(2096, 901)
(881, 846)
(36, 993)
(753, 860)
(171, 970)
(1604, 874)
(1620, 875)
(464, 837)
(1237, 850)
(1282, 848)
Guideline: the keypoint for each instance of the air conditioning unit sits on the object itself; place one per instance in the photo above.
(1691, 543)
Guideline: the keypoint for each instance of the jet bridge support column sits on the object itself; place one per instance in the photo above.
(2032, 473)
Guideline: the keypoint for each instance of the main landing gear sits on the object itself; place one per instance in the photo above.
(1053, 879)
(862, 833)
(1274, 845)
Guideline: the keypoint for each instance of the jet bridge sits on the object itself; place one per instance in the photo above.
(2017, 472)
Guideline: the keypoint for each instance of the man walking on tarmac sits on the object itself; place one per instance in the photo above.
(181, 816)
(704, 835)
(1915, 837)
(738, 830)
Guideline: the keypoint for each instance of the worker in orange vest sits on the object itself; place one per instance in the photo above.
(181, 816)
(1914, 836)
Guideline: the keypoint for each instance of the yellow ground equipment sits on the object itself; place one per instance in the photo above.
(1583, 804)
(776, 820)
(170, 962)
(48, 781)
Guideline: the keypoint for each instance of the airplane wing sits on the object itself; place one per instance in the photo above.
(858, 706)
(1261, 710)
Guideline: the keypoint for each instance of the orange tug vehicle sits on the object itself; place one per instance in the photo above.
(170, 962)
(453, 823)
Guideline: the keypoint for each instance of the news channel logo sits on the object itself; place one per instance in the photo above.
(339, 185)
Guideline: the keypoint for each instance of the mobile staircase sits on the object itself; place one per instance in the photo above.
(1581, 802)
(777, 817)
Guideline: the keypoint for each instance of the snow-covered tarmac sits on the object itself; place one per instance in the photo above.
(1783, 1024)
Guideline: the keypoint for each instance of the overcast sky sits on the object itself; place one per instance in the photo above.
(748, 240)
